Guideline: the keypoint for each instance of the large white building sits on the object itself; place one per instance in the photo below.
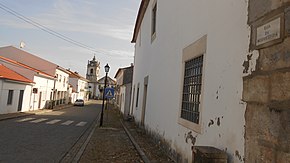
(187, 82)
(51, 80)
(15, 91)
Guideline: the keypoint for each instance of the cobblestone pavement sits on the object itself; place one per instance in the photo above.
(110, 143)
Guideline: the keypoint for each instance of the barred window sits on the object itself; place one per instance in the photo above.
(192, 89)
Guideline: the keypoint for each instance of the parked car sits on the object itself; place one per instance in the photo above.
(79, 102)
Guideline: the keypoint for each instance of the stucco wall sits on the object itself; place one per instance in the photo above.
(45, 86)
(179, 24)
(16, 87)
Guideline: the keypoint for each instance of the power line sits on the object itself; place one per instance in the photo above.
(48, 30)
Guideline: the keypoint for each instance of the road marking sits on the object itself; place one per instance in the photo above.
(53, 121)
(67, 123)
(81, 124)
(39, 120)
(25, 119)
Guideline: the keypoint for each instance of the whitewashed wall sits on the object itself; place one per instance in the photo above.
(16, 87)
(60, 85)
(81, 87)
(122, 98)
(179, 24)
(45, 86)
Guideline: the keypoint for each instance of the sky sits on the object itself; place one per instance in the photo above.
(106, 26)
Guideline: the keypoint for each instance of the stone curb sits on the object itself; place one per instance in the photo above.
(137, 147)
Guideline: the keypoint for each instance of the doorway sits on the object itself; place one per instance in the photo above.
(39, 100)
(20, 101)
(144, 101)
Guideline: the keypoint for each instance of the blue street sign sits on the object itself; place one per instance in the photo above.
(109, 93)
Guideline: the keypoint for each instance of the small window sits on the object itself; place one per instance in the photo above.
(192, 89)
(137, 96)
(59, 78)
(153, 25)
(92, 71)
(10, 97)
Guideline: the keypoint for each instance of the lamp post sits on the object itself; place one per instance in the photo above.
(107, 68)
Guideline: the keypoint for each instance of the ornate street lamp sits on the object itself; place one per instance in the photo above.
(107, 68)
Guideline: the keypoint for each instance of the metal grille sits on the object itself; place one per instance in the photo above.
(192, 89)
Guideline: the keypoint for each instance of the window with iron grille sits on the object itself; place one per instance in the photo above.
(192, 89)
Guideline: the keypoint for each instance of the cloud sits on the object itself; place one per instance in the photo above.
(83, 18)
(116, 54)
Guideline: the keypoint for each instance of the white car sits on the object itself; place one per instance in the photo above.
(79, 102)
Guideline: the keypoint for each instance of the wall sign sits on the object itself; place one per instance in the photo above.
(268, 32)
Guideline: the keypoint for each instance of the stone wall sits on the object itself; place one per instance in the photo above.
(267, 88)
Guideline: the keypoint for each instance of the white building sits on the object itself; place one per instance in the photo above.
(187, 81)
(42, 87)
(93, 69)
(101, 83)
(57, 92)
(79, 85)
(123, 89)
(14, 91)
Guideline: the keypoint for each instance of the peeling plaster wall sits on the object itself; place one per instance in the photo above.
(179, 24)
(267, 88)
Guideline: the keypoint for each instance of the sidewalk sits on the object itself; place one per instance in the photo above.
(110, 143)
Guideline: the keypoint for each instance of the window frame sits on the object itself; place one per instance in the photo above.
(192, 51)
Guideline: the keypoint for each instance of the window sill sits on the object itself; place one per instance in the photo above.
(190, 125)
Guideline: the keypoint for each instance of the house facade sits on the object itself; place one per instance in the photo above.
(187, 82)
(101, 83)
(54, 90)
(80, 85)
(15, 91)
(123, 89)
(42, 87)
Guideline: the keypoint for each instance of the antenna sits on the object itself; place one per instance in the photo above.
(22, 44)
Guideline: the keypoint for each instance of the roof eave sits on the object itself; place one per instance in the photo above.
(140, 16)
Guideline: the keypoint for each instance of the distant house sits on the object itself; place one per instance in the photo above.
(15, 91)
(101, 83)
(123, 90)
(187, 82)
(60, 86)
(79, 85)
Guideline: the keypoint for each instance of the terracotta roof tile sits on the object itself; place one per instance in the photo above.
(6, 73)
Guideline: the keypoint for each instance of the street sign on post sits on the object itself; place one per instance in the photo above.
(109, 93)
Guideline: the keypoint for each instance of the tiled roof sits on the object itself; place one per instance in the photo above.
(6, 73)
(29, 59)
(24, 66)
(110, 81)
(142, 9)
(76, 75)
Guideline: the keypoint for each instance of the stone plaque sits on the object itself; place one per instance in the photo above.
(268, 32)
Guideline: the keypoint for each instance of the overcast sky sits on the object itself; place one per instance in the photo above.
(105, 25)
